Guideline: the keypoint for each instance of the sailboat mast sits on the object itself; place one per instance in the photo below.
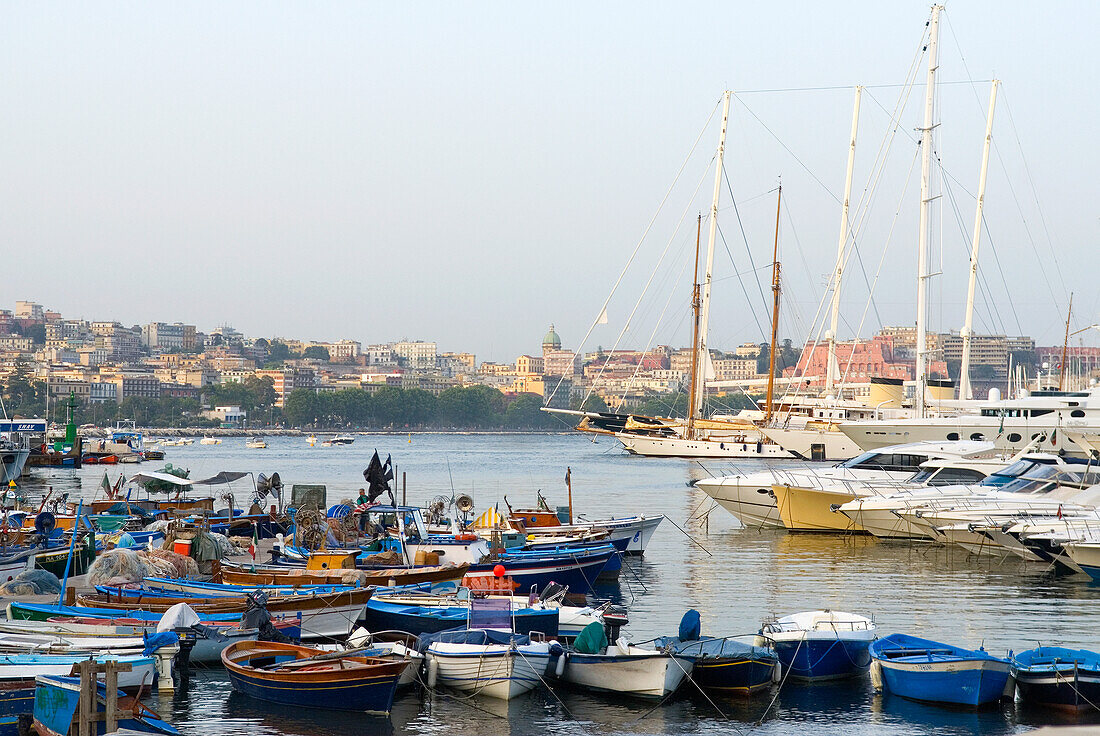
(701, 353)
(965, 391)
(925, 201)
(834, 318)
(694, 332)
(1065, 346)
(775, 312)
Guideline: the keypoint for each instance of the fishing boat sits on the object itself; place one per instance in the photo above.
(57, 698)
(921, 669)
(496, 663)
(488, 657)
(1056, 677)
(422, 612)
(253, 575)
(313, 678)
(629, 534)
(620, 667)
(27, 666)
(722, 664)
(322, 614)
(820, 645)
(256, 443)
(107, 636)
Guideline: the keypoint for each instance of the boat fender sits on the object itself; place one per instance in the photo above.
(777, 673)
(876, 675)
(559, 666)
(465, 537)
(433, 672)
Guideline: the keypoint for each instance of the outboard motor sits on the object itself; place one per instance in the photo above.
(256, 616)
(183, 657)
(614, 618)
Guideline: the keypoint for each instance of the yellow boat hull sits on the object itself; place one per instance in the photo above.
(808, 509)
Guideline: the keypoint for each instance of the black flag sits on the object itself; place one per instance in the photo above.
(377, 478)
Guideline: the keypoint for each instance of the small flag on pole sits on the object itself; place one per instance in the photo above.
(603, 317)
(255, 541)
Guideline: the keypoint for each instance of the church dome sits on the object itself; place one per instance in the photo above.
(551, 340)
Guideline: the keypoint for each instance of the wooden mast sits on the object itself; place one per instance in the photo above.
(1065, 346)
(695, 302)
(775, 310)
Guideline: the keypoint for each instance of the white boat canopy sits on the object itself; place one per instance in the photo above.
(149, 475)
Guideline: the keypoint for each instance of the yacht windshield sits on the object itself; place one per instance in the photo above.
(898, 462)
(1039, 478)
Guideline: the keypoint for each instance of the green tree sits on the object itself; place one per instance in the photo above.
(592, 402)
(301, 407)
(525, 412)
(23, 393)
(37, 334)
(472, 406)
(319, 352)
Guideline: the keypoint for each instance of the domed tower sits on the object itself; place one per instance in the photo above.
(550, 342)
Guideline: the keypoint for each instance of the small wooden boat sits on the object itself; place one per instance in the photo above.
(491, 662)
(57, 698)
(725, 665)
(1056, 677)
(426, 614)
(299, 676)
(297, 576)
(27, 666)
(820, 645)
(933, 672)
(594, 664)
(322, 614)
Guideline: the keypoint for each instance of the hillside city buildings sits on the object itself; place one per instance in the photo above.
(100, 361)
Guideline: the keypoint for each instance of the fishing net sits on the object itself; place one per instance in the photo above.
(164, 563)
(117, 567)
(32, 582)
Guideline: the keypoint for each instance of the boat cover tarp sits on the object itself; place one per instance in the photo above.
(690, 627)
(591, 640)
(479, 637)
(179, 616)
(153, 642)
(147, 476)
(708, 646)
(226, 476)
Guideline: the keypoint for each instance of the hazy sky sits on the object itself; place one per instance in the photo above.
(471, 172)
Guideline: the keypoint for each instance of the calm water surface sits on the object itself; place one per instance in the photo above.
(734, 577)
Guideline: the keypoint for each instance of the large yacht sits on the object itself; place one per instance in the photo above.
(1011, 424)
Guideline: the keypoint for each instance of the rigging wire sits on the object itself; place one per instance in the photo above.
(641, 240)
(745, 238)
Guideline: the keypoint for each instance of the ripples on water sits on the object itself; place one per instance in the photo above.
(734, 577)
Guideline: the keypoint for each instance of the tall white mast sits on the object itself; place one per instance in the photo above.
(965, 392)
(832, 365)
(699, 379)
(925, 201)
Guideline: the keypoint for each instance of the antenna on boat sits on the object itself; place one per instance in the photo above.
(695, 330)
(965, 390)
(923, 274)
(775, 310)
(700, 349)
(834, 318)
(1065, 345)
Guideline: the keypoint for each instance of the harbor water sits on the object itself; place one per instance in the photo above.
(734, 577)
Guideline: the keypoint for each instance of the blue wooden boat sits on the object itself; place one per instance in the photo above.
(820, 645)
(312, 678)
(576, 567)
(933, 672)
(56, 700)
(1056, 677)
(403, 614)
(725, 665)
